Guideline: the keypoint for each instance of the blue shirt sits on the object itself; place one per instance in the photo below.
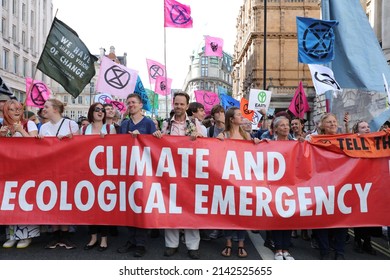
(145, 126)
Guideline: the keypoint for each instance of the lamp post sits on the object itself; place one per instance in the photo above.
(91, 90)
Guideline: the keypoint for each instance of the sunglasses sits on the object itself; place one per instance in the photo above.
(97, 110)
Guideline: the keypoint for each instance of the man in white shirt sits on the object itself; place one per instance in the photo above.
(181, 125)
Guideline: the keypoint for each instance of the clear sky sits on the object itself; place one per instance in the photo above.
(137, 28)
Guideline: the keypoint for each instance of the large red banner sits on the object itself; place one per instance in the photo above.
(174, 182)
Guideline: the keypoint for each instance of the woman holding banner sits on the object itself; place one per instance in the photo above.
(97, 125)
(15, 125)
(57, 126)
(234, 130)
(328, 125)
(364, 233)
(282, 238)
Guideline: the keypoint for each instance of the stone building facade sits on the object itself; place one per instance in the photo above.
(283, 72)
(208, 72)
(23, 31)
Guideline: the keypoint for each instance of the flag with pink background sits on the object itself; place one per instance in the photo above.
(37, 93)
(163, 86)
(207, 98)
(213, 46)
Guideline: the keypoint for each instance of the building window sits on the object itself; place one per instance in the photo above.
(5, 59)
(72, 115)
(204, 60)
(24, 12)
(16, 62)
(3, 27)
(66, 99)
(204, 72)
(73, 100)
(25, 62)
(24, 39)
(80, 100)
(14, 32)
(214, 61)
(32, 44)
(14, 7)
(79, 114)
(4, 3)
(33, 68)
(32, 20)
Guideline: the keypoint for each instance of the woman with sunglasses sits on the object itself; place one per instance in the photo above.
(97, 121)
(15, 125)
(97, 125)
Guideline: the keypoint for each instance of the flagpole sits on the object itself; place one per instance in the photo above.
(265, 47)
(165, 63)
(150, 85)
(35, 71)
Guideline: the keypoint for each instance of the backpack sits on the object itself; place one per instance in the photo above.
(210, 131)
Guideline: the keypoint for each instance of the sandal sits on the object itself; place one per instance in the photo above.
(242, 252)
(227, 251)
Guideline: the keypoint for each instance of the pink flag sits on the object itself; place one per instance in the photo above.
(155, 69)
(207, 98)
(120, 106)
(37, 93)
(163, 87)
(213, 46)
(177, 15)
(116, 79)
(299, 104)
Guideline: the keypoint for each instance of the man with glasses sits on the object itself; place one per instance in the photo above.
(136, 124)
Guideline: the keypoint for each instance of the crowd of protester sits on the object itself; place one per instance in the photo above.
(186, 119)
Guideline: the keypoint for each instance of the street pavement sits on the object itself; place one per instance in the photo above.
(209, 250)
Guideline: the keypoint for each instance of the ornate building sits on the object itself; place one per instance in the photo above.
(378, 12)
(24, 28)
(283, 72)
(208, 72)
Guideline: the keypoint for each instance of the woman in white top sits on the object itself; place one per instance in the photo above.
(15, 125)
(97, 118)
(59, 127)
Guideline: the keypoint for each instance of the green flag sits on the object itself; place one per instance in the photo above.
(153, 99)
(66, 59)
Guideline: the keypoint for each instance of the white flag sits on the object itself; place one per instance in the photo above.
(103, 98)
(323, 79)
(259, 98)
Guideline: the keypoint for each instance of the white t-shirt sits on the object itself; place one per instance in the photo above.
(67, 127)
(31, 126)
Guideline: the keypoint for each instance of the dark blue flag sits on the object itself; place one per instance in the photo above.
(140, 90)
(315, 40)
(227, 101)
